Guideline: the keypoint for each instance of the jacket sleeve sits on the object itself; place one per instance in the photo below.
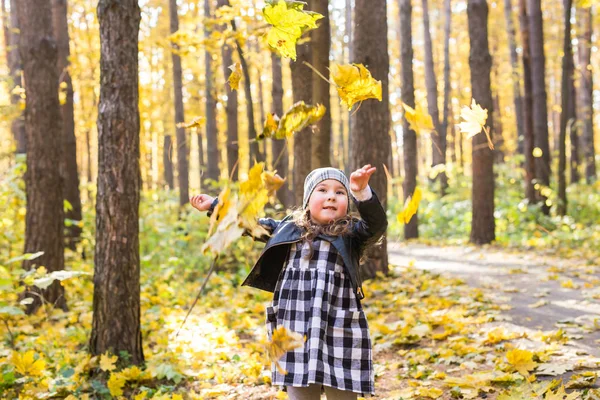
(373, 222)
(269, 224)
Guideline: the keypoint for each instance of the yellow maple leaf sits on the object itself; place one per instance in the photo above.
(289, 22)
(140, 396)
(560, 395)
(418, 119)
(474, 119)
(270, 127)
(282, 341)
(107, 363)
(115, 384)
(132, 373)
(196, 122)
(235, 76)
(354, 83)
(298, 117)
(411, 205)
(521, 361)
(26, 364)
(272, 181)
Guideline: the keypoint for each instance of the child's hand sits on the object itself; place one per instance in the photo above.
(359, 179)
(201, 202)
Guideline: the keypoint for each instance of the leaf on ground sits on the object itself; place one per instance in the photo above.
(581, 381)
(27, 365)
(355, 83)
(289, 21)
(560, 394)
(282, 341)
(521, 361)
(552, 369)
(107, 362)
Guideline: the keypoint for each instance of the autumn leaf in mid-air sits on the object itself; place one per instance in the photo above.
(298, 117)
(411, 205)
(521, 361)
(474, 119)
(418, 119)
(235, 76)
(272, 182)
(289, 21)
(270, 127)
(355, 83)
(196, 122)
(227, 232)
(253, 198)
(282, 341)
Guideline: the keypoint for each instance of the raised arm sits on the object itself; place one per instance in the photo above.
(373, 223)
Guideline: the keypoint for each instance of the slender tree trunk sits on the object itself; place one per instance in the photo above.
(180, 134)
(528, 139)
(586, 109)
(279, 147)
(411, 229)
(567, 115)
(447, 89)
(348, 21)
(212, 147)
(168, 161)
(438, 154)
(302, 88)
(516, 78)
(538, 86)
(116, 308)
(231, 110)
(321, 43)
(44, 220)
(371, 50)
(69, 171)
(480, 62)
(14, 67)
(498, 131)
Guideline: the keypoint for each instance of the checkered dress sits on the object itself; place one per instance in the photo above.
(314, 297)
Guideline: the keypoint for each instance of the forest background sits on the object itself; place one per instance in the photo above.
(87, 86)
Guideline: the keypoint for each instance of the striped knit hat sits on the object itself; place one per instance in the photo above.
(319, 175)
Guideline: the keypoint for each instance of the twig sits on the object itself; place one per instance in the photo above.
(12, 338)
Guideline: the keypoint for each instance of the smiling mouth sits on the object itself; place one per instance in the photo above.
(330, 208)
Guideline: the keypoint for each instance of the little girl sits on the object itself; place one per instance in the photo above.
(311, 263)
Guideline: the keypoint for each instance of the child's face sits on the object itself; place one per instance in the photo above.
(328, 202)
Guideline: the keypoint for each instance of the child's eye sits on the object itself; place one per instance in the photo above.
(340, 192)
(321, 190)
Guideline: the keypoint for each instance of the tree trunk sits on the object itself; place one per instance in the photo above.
(348, 21)
(321, 43)
(411, 229)
(69, 171)
(44, 221)
(516, 79)
(116, 307)
(255, 153)
(212, 146)
(438, 151)
(586, 109)
(180, 134)
(373, 144)
(231, 110)
(567, 115)
(528, 139)
(302, 89)
(279, 147)
(14, 67)
(168, 161)
(447, 88)
(538, 86)
(480, 62)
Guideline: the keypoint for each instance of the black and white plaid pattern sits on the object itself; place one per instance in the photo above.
(319, 175)
(314, 297)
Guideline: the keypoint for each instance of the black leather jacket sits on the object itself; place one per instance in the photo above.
(366, 230)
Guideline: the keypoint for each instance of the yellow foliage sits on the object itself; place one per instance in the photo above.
(195, 123)
(235, 76)
(289, 23)
(107, 362)
(355, 83)
(282, 341)
(115, 384)
(411, 205)
(521, 361)
(474, 119)
(26, 365)
(419, 120)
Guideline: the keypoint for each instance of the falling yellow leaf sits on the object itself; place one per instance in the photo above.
(521, 360)
(26, 364)
(107, 363)
(474, 119)
(221, 209)
(418, 119)
(298, 117)
(235, 76)
(253, 198)
(355, 83)
(411, 205)
(282, 341)
(289, 22)
(272, 182)
(196, 122)
(270, 127)
(227, 232)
